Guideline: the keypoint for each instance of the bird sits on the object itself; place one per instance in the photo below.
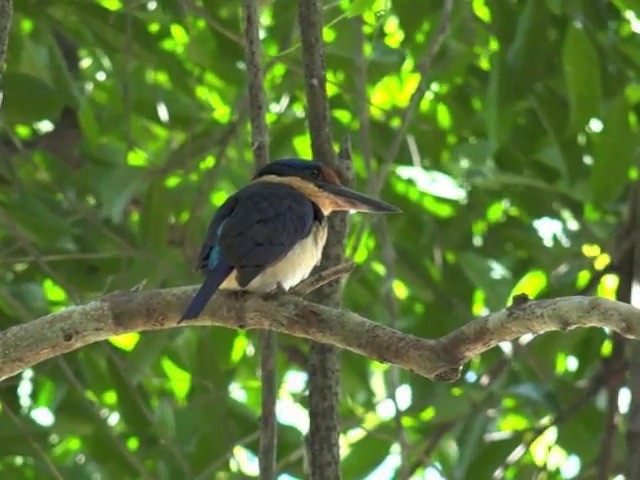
(270, 234)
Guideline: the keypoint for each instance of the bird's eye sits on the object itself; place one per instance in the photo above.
(315, 173)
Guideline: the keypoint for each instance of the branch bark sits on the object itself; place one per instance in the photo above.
(628, 251)
(260, 148)
(310, 20)
(30, 343)
(257, 96)
(6, 14)
(324, 360)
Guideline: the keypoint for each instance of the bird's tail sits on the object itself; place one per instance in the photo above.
(212, 281)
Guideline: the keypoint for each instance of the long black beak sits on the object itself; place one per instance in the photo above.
(347, 199)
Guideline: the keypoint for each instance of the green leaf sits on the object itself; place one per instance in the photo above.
(535, 392)
(146, 353)
(125, 341)
(581, 68)
(28, 99)
(498, 113)
(61, 72)
(154, 134)
(40, 222)
(489, 275)
(527, 41)
(117, 187)
(450, 407)
(154, 221)
(132, 399)
(366, 455)
(614, 149)
(358, 7)
(531, 284)
(471, 442)
(583, 425)
(179, 379)
(486, 457)
(633, 5)
(29, 294)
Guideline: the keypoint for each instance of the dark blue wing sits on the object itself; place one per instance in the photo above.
(210, 262)
(268, 220)
(210, 251)
(253, 229)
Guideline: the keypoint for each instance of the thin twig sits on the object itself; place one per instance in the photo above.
(312, 283)
(255, 74)
(219, 463)
(388, 253)
(310, 20)
(33, 251)
(429, 448)
(165, 440)
(599, 380)
(616, 367)
(260, 147)
(127, 49)
(627, 258)
(324, 360)
(294, 456)
(59, 257)
(360, 79)
(6, 14)
(277, 58)
(393, 311)
(202, 12)
(269, 392)
(100, 422)
(376, 181)
(36, 446)
(424, 68)
(493, 382)
(633, 416)
(204, 188)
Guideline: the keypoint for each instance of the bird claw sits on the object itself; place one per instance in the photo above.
(276, 292)
(238, 294)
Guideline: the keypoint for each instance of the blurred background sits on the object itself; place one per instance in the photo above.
(124, 125)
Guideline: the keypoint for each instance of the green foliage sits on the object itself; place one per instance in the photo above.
(122, 129)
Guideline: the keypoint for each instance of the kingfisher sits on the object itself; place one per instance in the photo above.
(270, 234)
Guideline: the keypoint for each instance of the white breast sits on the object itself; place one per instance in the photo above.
(294, 267)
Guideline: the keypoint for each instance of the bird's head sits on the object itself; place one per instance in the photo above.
(321, 185)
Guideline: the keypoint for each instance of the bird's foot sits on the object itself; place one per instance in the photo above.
(238, 295)
(276, 292)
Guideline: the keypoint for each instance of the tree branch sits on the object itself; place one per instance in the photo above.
(27, 344)
(322, 278)
(260, 148)
(310, 20)
(257, 96)
(6, 13)
(627, 258)
(323, 369)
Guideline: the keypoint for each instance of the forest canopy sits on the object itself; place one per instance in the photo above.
(124, 125)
